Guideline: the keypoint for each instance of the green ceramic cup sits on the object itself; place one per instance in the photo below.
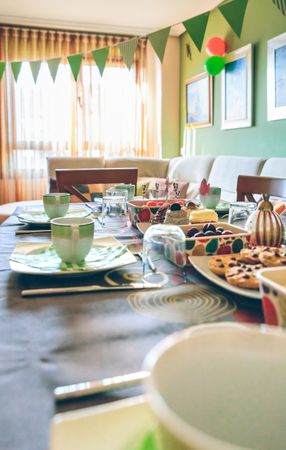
(212, 199)
(72, 238)
(56, 204)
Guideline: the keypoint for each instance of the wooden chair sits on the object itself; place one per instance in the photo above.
(68, 180)
(249, 185)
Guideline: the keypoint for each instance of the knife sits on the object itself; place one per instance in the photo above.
(86, 388)
(90, 288)
(31, 231)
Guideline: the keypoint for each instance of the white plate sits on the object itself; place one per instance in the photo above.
(120, 425)
(37, 249)
(39, 217)
(200, 263)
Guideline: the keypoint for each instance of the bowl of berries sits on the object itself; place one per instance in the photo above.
(218, 238)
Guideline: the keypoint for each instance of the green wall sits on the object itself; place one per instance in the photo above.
(265, 138)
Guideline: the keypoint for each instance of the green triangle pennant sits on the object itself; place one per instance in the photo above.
(100, 57)
(159, 41)
(16, 67)
(127, 50)
(53, 65)
(281, 5)
(2, 69)
(233, 13)
(35, 68)
(196, 27)
(75, 62)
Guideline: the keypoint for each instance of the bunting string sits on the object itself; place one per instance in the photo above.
(233, 11)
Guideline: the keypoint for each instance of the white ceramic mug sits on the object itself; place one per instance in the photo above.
(72, 237)
(56, 204)
(219, 387)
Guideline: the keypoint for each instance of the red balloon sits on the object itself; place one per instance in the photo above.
(216, 46)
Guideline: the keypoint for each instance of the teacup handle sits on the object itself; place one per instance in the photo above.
(74, 238)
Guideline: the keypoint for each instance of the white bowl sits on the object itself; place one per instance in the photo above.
(220, 387)
(273, 292)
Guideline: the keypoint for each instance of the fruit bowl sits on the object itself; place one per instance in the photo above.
(145, 210)
(204, 242)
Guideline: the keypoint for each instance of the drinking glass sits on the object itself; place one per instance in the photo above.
(117, 192)
(114, 211)
(162, 246)
(239, 212)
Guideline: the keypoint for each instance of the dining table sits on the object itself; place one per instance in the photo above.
(57, 340)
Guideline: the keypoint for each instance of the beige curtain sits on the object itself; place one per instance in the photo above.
(24, 147)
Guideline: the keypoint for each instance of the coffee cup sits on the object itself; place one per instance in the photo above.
(212, 198)
(56, 204)
(72, 238)
(219, 387)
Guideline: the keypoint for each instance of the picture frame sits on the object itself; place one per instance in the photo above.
(236, 89)
(276, 78)
(199, 101)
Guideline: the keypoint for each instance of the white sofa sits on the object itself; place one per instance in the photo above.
(220, 171)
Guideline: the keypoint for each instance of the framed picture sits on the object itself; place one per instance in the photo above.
(199, 101)
(236, 89)
(276, 78)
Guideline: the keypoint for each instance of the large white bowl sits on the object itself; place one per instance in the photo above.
(220, 387)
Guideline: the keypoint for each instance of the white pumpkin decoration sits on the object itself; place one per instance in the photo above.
(265, 225)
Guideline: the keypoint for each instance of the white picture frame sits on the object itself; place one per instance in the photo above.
(276, 78)
(236, 89)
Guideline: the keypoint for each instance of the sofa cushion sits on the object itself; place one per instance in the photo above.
(72, 163)
(147, 167)
(191, 169)
(274, 167)
(226, 169)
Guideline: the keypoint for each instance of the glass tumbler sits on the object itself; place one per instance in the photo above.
(114, 211)
(239, 212)
(164, 252)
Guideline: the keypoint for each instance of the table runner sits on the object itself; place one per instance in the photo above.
(50, 341)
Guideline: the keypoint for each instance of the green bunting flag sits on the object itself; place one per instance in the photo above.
(35, 68)
(233, 13)
(16, 67)
(159, 41)
(281, 5)
(75, 62)
(127, 50)
(100, 57)
(196, 27)
(53, 65)
(2, 69)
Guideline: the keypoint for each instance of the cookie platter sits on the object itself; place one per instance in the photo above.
(201, 264)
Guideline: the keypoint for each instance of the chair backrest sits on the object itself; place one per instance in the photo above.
(249, 185)
(68, 180)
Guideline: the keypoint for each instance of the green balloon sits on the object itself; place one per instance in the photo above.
(214, 65)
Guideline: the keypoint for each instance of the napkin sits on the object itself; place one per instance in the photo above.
(105, 253)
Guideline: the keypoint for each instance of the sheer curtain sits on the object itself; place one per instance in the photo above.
(96, 116)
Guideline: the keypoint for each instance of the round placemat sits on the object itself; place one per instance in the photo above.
(188, 303)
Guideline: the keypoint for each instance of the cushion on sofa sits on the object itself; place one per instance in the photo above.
(147, 167)
(226, 169)
(274, 167)
(191, 169)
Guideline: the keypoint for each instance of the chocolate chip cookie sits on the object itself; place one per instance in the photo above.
(273, 257)
(243, 276)
(218, 264)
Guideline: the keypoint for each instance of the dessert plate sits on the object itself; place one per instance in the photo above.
(122, 425)
(200, 263)
(39, 258)
(39, 217)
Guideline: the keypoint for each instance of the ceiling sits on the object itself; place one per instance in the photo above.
(110, 16)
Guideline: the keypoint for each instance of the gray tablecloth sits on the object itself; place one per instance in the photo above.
(47, 342)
